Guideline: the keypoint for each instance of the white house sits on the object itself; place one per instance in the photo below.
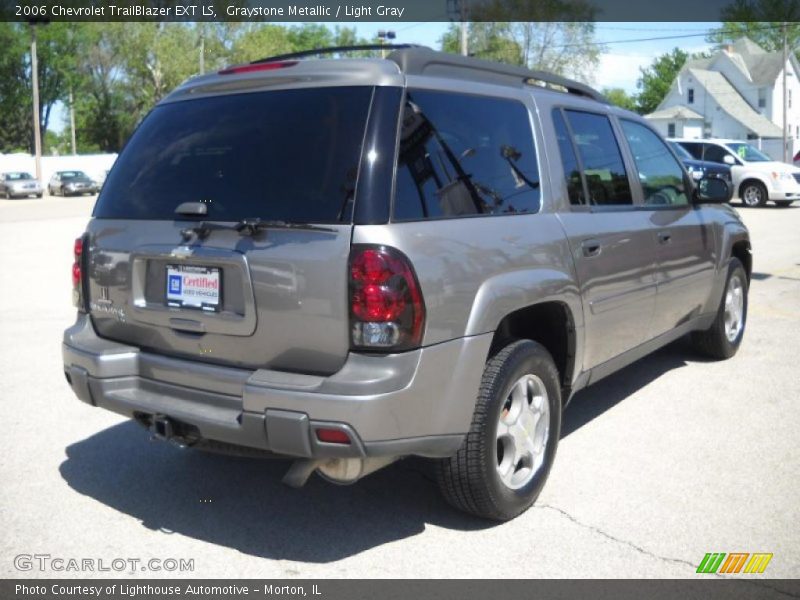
(736, 93)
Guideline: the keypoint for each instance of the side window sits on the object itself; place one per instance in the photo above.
(659, 173)
(572, 170)
(465, 155)
(694, 148)
(606, 179)
(715, 153)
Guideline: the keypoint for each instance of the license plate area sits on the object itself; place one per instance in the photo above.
(193, 286)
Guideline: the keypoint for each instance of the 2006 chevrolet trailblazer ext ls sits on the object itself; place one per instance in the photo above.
(348, 261)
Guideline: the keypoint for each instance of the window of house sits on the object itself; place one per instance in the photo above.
(465, 155)
(606, 180)
(659, 173)
(762, 97)
(789, 98)
(690, 95)
(671, 130)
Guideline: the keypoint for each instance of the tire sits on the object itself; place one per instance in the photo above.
(40, 194)
(470, 481)
(754, 193)
(721, 341)
(783, 203)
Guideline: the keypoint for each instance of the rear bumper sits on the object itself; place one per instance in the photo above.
(418, 402)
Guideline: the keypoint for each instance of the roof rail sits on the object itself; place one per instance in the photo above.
(335, 50)
(422, 60)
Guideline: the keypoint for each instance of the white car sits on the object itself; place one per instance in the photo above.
(756, 177)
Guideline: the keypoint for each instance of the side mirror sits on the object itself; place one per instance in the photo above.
(728, 160)
(711, 190)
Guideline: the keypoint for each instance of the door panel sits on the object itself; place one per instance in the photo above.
(686, 262)
(617, 281)
(685, 245)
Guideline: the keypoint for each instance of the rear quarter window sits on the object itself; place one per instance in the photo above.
(289, 155)
(463, 155)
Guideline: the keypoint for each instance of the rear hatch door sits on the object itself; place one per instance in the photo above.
(205, 285)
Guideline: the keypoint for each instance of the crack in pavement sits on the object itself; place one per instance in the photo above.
(616, 539)
(641, 550)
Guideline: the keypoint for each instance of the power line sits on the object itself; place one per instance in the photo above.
(665, 37)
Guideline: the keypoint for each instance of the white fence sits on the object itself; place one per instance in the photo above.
(94, 165)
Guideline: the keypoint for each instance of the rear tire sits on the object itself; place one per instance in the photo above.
(754, 193)
(723, 338)
(517, 416)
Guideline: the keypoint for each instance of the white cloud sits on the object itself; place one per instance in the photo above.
(619, 70)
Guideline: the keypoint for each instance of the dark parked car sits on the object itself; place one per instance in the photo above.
(702, 168)
(70, 183)
(18, 184)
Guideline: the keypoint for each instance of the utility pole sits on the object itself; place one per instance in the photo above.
(37, 134)
(72, 121)
(202, 48)
(383, 36)
(462, 4)
(785, 99)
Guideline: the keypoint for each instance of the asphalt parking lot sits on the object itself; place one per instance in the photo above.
(659, 464)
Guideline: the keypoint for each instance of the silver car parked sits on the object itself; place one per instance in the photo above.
(19, 184)
(346, 262)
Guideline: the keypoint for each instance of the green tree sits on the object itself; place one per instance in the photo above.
(260, 41)
(490, 41)
(564, 48)
(656, 79)
(760, 20)
(621, 98)
(551, 35)
(16, 123)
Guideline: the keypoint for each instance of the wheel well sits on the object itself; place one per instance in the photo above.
(750, 180)
(741, 250)
(548, 323)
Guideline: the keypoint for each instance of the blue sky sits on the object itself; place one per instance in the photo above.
(619, 64)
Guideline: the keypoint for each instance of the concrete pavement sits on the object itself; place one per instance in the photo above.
(667, 460)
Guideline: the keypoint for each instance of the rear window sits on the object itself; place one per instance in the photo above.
(287, 155)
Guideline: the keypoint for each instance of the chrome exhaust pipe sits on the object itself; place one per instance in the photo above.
(343, 471)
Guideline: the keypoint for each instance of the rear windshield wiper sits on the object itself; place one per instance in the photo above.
(249, 227)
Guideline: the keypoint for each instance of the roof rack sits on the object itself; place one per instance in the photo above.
(336, 50)
(421, 60)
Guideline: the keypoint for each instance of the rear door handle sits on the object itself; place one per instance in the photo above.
(664, 237)
(591, 248)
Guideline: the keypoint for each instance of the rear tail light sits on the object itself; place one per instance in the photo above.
(386, 306)
(77, 273)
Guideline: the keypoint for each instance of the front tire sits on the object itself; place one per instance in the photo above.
(723, 338)
(783, 203)
(505, 458)
(754, 193)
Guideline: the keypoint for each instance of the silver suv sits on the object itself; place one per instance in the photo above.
(351, 261)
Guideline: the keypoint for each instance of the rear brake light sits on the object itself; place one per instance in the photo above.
(386, 306)
(333, 436)
(250, 68)
(77, 273)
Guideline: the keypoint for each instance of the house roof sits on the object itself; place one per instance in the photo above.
(677, 112)
(732, 102)
(763, 67)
